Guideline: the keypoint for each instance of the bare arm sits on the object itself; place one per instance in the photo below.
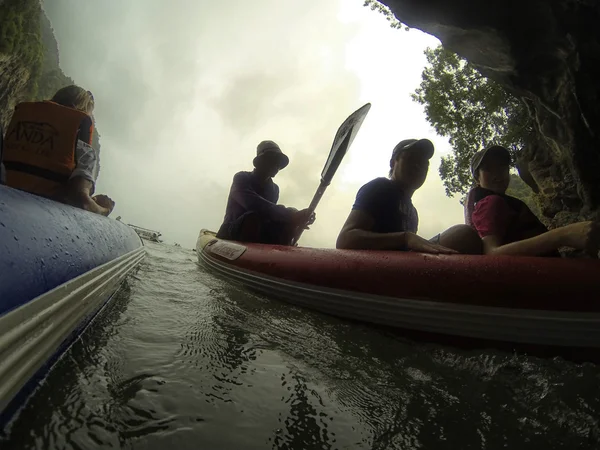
(355, 234)
(78, 195)
(538, 245)
(581, 235)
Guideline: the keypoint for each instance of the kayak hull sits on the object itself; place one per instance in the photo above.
(59, 266)
(458, 296)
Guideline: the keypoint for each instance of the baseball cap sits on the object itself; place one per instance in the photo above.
(424, 145)
(478, 157)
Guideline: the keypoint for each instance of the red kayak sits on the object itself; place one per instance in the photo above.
(522, 300)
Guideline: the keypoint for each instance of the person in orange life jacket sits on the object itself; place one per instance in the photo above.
(506, 225)
(252, 213)
(48, 151)
(384, 218)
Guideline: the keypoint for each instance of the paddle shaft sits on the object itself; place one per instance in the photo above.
(313, 205)
(341, 143)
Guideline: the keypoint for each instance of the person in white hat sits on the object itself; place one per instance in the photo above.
(252, 213)
(506, 224)
(383, 216)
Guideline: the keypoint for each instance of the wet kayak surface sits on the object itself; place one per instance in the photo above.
(184, 360)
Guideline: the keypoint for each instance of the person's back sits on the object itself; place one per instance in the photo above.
(48, 150)
(40, 145)
(248, 193)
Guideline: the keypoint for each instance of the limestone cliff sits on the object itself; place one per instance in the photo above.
(548, 53)
(14, 81)
(29, 57)
(20, 53)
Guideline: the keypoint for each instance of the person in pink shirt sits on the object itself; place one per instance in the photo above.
(506, 225)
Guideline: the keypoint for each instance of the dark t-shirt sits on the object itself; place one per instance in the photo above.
(247, 194)
(390, 208)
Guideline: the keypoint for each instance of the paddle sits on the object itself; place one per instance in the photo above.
(341, 143)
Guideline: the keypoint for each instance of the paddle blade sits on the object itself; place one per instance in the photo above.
(342, 141)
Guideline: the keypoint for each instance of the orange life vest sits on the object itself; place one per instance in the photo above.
(39, 147)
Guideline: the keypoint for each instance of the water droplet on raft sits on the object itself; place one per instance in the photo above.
(16, 238)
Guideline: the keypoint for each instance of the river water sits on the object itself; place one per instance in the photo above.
(183, 360)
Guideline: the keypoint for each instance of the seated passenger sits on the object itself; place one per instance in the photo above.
(48, 150)
(506, 224)
(384, 218)
(252, 213)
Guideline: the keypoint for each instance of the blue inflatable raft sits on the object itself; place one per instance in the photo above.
(59, 266)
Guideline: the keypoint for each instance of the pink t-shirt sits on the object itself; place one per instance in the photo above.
(495, 216)
(492, 216)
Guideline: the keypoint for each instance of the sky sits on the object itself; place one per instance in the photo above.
(186, 89)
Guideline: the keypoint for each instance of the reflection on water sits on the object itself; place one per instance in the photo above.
(182, 360)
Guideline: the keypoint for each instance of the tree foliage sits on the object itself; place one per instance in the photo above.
(519, 189)
(20, 35)
(471, 110)
(374, 5)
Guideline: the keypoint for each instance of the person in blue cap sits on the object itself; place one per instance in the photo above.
(252, 213)
(383, 216)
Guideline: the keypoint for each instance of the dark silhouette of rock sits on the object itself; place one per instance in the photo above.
(547, 52)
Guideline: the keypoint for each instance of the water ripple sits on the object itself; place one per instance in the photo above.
(183, 360)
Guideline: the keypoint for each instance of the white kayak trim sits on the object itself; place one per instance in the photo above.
(525, 326)
(32, 333)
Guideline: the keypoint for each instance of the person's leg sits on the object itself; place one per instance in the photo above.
(249, 228)
(461, 238)
(246, 228)
(277, 233)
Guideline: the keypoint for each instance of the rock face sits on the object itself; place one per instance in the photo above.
(17, 76)
(547, 52)
(14, 83)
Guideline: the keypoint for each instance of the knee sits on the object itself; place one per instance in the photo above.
(463, 239)
(251, 227)
(251, 221)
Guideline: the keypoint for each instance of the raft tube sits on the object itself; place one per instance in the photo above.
(59, 266)
(550, 302)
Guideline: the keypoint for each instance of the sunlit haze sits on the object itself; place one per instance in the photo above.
(185, 90)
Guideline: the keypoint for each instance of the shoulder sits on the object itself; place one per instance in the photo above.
(375, 196)
(87, 121)
(492, 207)
(380, 182)
(86, 130)
(377, 186)
(491, 201)
(242, 176)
